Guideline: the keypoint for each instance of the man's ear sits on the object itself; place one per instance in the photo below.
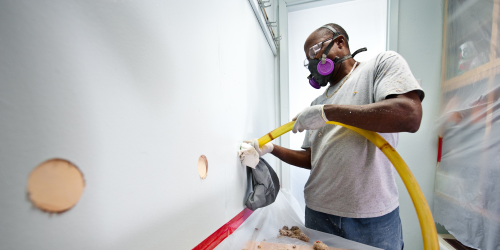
(341, 42)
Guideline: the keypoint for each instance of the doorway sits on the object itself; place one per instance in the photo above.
(365, 21)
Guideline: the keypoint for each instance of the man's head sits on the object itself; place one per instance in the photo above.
(340, 47)
(326, 48)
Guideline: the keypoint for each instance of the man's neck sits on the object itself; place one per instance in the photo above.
(344, 69)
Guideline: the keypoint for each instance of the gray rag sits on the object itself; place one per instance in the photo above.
(263, 186)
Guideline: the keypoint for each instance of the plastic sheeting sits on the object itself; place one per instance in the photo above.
(264, 223)
(467, 186)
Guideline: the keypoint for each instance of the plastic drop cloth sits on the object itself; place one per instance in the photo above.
(268, 220)
(467, 185)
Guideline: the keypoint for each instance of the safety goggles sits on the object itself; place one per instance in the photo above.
(317, 47)
(313, 51)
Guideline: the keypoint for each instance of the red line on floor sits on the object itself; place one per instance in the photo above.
(222, 233)
(440, 149)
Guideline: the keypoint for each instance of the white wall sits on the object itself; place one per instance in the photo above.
(133, 93)
(369, 31)
(420, 43)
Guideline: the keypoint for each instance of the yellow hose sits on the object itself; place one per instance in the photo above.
(429, 233)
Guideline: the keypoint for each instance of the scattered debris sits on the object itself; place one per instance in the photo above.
(256, 229)
(319, 245)
(259, 247)
(294, 232)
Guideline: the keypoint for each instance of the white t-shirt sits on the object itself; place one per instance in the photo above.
(350, 176)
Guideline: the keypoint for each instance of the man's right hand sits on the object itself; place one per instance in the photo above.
(311, 118)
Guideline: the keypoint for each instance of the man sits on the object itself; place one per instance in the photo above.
(351, 191)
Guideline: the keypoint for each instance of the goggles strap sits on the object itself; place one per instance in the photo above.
(335, 33)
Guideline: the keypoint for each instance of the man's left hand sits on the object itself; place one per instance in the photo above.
(250, 152)
(311, 118)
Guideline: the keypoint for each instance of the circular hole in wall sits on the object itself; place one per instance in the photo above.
(202, 166)
(55, 185)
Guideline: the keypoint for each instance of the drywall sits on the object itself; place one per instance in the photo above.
(420, 43)
(133, 93)
(368, 32)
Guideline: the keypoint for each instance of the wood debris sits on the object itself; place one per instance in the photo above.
(293, 232)
(319, 245)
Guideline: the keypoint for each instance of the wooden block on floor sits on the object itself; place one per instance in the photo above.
(254, 245)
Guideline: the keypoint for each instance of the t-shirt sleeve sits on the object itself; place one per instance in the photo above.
(393, 77)
(306, 144)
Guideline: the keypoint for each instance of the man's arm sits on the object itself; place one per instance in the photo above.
(299, 158)
(397, 113)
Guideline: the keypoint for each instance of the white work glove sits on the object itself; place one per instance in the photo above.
(250, 152)
(311, 118)
(267, 148)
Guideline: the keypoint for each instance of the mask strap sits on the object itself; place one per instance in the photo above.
(335, 35)
(327, 50)
(339, 60)
(325, 53)
(358, 51)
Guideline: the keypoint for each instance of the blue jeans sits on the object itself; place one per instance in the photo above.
(383, 232)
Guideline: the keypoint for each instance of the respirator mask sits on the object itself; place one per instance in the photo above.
(322, 69)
